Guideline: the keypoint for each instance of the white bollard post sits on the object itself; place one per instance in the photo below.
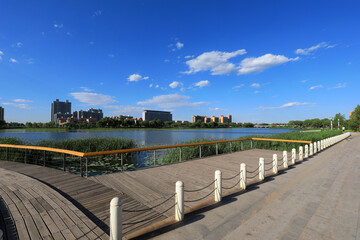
(275, 164)
(301, 153)
(261, 169)
(311, 149)
(293, 156)
(218, 186)
(116, 219)
(315, 147)
(243, 176)
(318, 146)
(179, 201)
(306, 151)
(285, 159)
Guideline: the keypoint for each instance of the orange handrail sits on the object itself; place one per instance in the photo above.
(70, 152)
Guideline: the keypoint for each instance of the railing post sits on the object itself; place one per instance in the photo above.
(285, 161)
(251, 144)
(154, 157)
(86, 167)
(306, 151)
(241, 146)
(318, 146)
(180, 156)
(217, 148)
(293, 156)
(122, 161)
(44, 158)
(315, 147)
(275, 164)
(218, 186)
(81, 170)
(25, 161)
(301, 153)
(243, 176)
(261, 169)
(230, 145)
(116, 219)
(311, 149)
(7, 154)
(200, 151)
(179, 201)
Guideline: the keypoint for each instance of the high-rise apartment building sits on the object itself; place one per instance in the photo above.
(2, 113)
(205, 119)
(196, 118)
(59, 108)
(149, 115)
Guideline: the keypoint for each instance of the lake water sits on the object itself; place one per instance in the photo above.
(145, 137)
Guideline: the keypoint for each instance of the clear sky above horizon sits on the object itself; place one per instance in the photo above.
(260, 61)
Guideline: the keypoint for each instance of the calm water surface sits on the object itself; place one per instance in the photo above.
(145, 137)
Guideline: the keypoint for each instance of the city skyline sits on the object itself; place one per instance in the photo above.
(261, 61)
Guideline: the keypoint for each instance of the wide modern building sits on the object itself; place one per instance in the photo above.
(196, 118)
(149, 115)
(59, 108)
(2, 110)
(96, 114)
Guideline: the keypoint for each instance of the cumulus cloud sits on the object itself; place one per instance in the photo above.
(315, 87)
(22, 100)
(86, 89)
(287, 105)
(215, 61)
(259, 64)
(124, 110)
(255, 85)
(171, 101)
(136, 77)
(203, 83)
(17, 105)
(13, 60)
(179, 45)
(307, 51)
(187, 57)
(58, 25)
(174, 84)
(93, 98)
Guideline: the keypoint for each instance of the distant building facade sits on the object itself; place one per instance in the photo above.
(96, 114)
(205, 119)
(149, 115)
(59, 109)
(2, 111)
(350, 113)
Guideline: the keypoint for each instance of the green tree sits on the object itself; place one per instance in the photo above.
(355, 116)
(341, 118)
(2, 124)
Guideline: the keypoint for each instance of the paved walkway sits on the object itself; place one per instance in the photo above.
(316, 199)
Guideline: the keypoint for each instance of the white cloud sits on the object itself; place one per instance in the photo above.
(340, 85)
(214, 61)
(307, 51)
(58, 25)
(18, 44)
(287, 105)
(171, 101)
(13, 60)
(217, 109)
(157, 86)
(315, 87)
(68, 33)
(91, 43)
(179, 45)
(256, 92)
(22, 100)
(255, 85)
(174, 84)
(86, 89)
(187, 57)
(303, 81)
(1, 53)
(151, 85)
(97, 13)
(124, 110)
(166, 60)
(203, 83)
(18, 105)
(93, 98)
(238, 86)
(136, 77)
(259, 64)
(111, 55)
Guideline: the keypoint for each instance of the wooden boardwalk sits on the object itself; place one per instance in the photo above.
(81, 195)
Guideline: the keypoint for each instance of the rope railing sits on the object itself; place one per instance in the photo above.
(150, 208)
(200, 189)
(268, 163)
(253, 171)
(199, 199)
(150, 218)
(230, 178)
(236, 184)
(268, 169)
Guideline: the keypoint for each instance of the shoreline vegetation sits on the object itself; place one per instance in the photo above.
(131, 161)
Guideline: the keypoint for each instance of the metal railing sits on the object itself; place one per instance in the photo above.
(92, 163)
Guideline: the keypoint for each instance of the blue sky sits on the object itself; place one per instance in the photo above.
(260, 61)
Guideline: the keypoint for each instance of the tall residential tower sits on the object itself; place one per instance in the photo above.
(59, 108)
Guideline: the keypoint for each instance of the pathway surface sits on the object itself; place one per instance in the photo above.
(316, 199)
